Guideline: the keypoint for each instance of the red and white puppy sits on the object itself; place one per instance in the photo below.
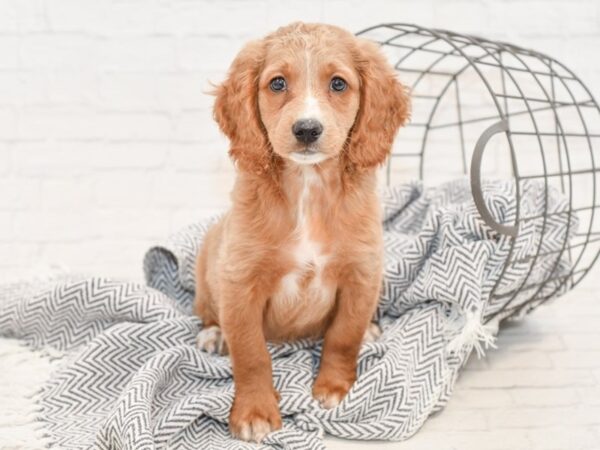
(310, 111)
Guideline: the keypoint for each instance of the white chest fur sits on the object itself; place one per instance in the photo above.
(304, 286)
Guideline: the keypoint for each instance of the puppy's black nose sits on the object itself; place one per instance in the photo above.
(307, 130)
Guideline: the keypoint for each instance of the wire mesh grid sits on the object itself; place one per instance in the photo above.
(482, 107)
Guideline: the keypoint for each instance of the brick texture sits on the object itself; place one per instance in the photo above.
(106, 131)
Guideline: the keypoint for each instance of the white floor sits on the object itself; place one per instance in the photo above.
(539, 390)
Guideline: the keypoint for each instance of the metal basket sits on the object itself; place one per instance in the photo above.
(522, 113)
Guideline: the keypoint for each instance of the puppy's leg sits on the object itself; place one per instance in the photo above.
(210, 338)
(356, 303)
(255, 410)
(204, 304)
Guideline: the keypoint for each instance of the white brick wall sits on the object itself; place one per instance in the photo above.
(106, 137)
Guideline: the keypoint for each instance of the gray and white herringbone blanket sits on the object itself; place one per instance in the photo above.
(133, 378)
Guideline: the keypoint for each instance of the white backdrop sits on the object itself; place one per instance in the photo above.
(106, 138)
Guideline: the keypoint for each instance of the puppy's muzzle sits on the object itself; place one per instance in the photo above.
(307, 131)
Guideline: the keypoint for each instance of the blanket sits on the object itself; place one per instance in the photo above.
(133, 378)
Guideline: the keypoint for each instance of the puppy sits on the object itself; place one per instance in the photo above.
(310, 111)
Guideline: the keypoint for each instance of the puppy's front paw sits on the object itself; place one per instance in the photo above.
(211, 340)
(253, 417)
(329, 392)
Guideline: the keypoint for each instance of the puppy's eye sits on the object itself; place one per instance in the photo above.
(278, 84)
(337, 84)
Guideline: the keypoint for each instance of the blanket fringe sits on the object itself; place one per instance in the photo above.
(24, 370)
(473, 332)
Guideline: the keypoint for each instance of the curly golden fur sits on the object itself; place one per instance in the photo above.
(299, 254)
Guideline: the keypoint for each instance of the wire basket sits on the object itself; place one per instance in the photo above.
(490, 108)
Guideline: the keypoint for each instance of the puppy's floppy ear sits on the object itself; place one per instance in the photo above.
(384, 107)
(236, 110)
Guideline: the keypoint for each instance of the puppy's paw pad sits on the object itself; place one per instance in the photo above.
(372, 334)
(211, 340)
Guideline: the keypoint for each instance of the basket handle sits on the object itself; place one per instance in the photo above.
(498, 127)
